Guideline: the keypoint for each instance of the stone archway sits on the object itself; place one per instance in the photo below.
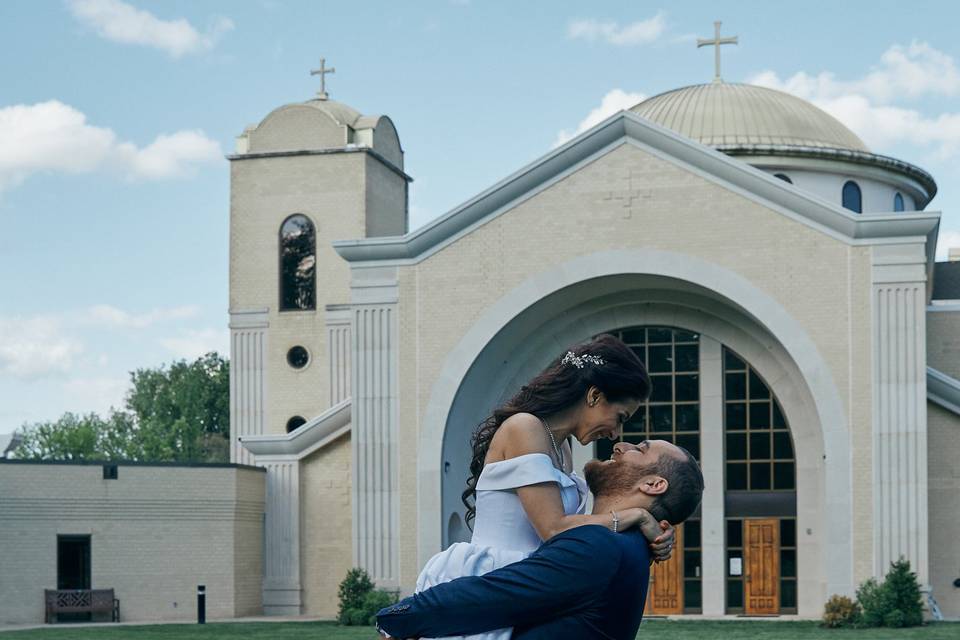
(527, 327)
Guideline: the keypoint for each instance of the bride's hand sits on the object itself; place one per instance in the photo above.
(662, 545)
(637, 517)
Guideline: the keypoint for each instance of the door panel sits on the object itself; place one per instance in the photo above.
(665, 594)
(761, 555)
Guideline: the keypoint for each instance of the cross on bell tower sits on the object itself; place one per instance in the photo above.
(322, 72)
(716, 42)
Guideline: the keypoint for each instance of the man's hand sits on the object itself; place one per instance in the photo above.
(662, 545)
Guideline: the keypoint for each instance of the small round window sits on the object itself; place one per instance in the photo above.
(298, 357)
(295, 423)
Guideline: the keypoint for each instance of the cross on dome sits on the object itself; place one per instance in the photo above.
(322, 72)
(716, 42)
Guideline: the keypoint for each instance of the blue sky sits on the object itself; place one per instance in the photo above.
(115, 116)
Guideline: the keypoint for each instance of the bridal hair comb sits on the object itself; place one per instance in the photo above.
(580, 361)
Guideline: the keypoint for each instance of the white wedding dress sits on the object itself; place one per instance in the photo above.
(502, 534)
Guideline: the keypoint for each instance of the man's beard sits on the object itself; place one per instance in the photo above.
(615, 478)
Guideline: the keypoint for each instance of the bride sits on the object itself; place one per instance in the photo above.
(523, 489)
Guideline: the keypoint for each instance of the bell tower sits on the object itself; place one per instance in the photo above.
(308, 174)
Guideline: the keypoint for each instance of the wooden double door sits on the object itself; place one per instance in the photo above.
(760, 567)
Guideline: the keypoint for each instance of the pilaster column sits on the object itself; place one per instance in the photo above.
(248, 343)
(712, 524)
(338, 351)
(281, 577)
(900, 408)
(376, 416)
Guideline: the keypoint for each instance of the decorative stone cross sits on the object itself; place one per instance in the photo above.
(322, 72)
(716, 42)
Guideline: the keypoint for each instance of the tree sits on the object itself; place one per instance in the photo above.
(178, 413)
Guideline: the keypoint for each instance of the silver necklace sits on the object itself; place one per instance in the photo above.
(553, 441)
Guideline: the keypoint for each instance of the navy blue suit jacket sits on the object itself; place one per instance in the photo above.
(587, 582)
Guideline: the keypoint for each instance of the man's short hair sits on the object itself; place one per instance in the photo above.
(685, 488)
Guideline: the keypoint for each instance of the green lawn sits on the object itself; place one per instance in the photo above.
(660, 629)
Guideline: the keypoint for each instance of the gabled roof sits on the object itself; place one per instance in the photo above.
(629, 128)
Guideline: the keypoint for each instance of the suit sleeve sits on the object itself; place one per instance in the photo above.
(563, 575)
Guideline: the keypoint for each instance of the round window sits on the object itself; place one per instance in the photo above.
(298, 357)
(295, 422)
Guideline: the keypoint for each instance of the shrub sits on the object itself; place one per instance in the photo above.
(841, 611)
(904, 595)
(352, 591)
(894, 603)
(360, 601)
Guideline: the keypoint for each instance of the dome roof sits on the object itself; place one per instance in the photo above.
(730, 116)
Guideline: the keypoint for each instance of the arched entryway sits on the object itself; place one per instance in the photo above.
(591, 295)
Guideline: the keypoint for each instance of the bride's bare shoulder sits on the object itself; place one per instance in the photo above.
(520, 434)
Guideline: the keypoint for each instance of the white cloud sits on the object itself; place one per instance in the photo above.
(641, 32)
(120, 22)
(110, 316)
(36, 347)
(97, 394)
(615, 101)
(192, 343)
(947, 240)
(864, 104)
(52, 136)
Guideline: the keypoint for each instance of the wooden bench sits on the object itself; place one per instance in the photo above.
(80, 601)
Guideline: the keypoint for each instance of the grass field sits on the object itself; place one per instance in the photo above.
(660, 629)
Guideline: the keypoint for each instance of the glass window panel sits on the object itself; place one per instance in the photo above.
(688, 417)
(788, 533)
(685, 336)
(758, 390)
(736, 446)
(692, 596)
(759, 415)
(788, 594)
(661, 418)
(736, 415)
(759, 476)
(731, 361)
(661, 359)
(641, 354)
(632, 336)
(735, 593)
(760, 445)
(779, 422)
(690, 442)
(898, 202)
(691, 564)
(788, 563)
(605, 448)
(851, 197)
(297, 264)
(659, 334)
(783, 475)
(688, 388)
(735, 533)
(687, 357)
(638, 421)
(736, 476)
(691, 533)
(735, 386)
(662, 389)
(782, 447)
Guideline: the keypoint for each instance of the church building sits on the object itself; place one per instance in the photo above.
(775, 275)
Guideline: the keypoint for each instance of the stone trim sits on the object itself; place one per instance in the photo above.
(943, 390)
(301, 442)
(629, 128)
(349, 148)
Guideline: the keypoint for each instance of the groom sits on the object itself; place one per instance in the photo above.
(587, 582)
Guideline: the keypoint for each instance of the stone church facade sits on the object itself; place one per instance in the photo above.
(776, 276)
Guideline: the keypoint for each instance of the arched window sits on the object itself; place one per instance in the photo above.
(295, 423)
(783, 177)
(298, 258)
(898, 202)
(851, 197)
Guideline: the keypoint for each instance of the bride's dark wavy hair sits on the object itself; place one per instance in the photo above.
(621, 377)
